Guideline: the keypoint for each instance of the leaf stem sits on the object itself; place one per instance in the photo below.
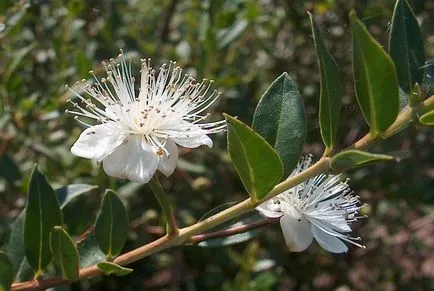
(157, 189)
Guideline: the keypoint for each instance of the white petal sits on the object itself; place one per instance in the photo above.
(97, 142)
(329, 242)
(167, 164)
(191, 138)
(270, 209)
(296, 231)
(132, 160)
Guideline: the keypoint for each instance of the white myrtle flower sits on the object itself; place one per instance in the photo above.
(136, 134)
(322, 207)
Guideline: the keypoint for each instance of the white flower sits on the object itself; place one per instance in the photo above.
(136, 134)
(322, 208)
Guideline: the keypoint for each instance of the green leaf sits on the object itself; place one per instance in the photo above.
(406, 46)
(258, 165)
(6, 272)
(355, 158)
(427, 118)
(89, 251)
(67, 193)
(42, 214)
(331, 89)
(280, 119)
(375, 79)
(65, 254)
(245, 219)
(9, 169)
(111, 225)
(226, 36)
(113, 269)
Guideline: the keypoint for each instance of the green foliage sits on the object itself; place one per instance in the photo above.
(109, 268)
(331, 89)
(90, 253)
(111, 225)
(69, 192)
(375, 79)
(257, 164)
(6, 272)
(42, 214)
(406, 46)
(427, 118)
(280, 119)
(354, 158)
(65, 255)
(251, 217)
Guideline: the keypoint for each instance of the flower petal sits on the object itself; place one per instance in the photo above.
(132, 160)
(329, 242)
(97, 142)
(296, 231)
(270, 209)
(167, 164)
(190, 135)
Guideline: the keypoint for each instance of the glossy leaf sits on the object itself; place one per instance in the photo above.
(245, 219)
(257, 164)
(331, 89)
(111, 225)
(42, 214)
(67, 193)
(427, 118)
(65, 254)
(355, 158)
(6, 272)
(113, 269)
(406, 46)
(375, 79)
(280, 119)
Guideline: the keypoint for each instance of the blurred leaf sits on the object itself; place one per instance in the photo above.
(406, 46)
(258, 165)
(331, 89)
(113, 269)
(245, 219)
(90, 253)
(280, 119)
(42, 214)
(15, 250)
(67, 193)
(264, 281)
(9, 169)
(16, 60)
(427, 118)
(6, 272)
(230, 34)
(375, 79)
(65, 254)
(83, 63)
(403, 99)
(111, 225)
(355, 158)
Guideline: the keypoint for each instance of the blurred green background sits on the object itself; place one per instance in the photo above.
(243, 45)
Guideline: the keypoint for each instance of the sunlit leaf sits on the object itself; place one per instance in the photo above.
(375, 79)
(113, 269)
(427, 118)
(354, 158)
(256, 162)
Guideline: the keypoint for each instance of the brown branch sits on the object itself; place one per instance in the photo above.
(231, 231)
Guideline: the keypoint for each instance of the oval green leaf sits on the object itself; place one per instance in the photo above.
(331, 89)
(257, 164)
(427, 118)
(64, 252)
(354, 158)
(375, 79)
(113, 269)
(406, 46)
(111, 225)
(280, 119)
(90, 253)
(42, 214)
(6, 272)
